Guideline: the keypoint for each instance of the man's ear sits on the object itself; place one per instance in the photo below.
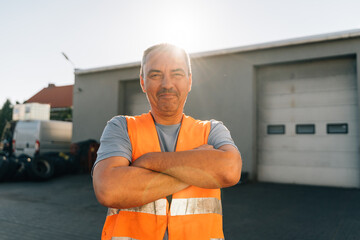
(142, 82)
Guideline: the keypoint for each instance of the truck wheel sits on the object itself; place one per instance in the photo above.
(4, 165)
(39, 168)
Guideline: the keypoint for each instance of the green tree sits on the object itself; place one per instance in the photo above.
(5, 114)
(64, 114)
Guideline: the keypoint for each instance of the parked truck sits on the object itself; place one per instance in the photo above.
(39, 149)
(37, 137)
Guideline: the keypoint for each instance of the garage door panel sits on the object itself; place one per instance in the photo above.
(310, 99)
(323, 68)
(338, 177)
(310, 143)
(329, 158)
(318, 84)
(326, 114)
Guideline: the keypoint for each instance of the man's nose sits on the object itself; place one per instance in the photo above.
(166, 82)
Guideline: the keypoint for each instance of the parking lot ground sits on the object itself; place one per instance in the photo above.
(66, 208)
(62, 208)
(285, 211)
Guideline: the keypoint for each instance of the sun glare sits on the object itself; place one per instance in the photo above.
(178, 27)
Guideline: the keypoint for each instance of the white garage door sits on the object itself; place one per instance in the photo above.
(135, 101)
(308, 123)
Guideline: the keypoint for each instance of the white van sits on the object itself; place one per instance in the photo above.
(37, 137)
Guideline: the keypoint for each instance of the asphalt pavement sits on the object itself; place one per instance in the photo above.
(66, 208)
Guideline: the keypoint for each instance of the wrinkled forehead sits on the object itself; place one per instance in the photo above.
(160, 57)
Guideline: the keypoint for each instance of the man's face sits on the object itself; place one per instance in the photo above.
(166, 82)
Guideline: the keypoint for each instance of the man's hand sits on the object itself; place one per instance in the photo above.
(203, 166)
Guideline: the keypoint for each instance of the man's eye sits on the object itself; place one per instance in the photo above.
(178, 74)
(155, 75)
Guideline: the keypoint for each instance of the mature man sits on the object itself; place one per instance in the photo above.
(160, 173)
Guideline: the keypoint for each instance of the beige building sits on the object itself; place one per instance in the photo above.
(292, 106)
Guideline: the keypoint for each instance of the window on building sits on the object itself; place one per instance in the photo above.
(305, 128)
(337, 128)
(276, 129)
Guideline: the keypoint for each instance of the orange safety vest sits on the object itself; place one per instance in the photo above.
(195, 213)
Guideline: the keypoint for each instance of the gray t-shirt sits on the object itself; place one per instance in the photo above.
(115, 140)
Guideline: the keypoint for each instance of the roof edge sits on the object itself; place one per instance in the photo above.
(283, 43)
(273, 44)
(106, 68)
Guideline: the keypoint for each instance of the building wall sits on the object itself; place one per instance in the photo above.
(224, 88)
(96, 100)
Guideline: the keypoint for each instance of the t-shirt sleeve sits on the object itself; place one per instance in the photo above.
(219, 135)
(115, 141)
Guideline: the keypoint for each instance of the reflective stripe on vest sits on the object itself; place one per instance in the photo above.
(191, 209)
(128, 238)
(158, 208)
(187, 206)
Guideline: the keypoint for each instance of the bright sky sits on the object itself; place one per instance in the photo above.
(95, 33)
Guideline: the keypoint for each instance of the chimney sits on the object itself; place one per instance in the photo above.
(51, 85)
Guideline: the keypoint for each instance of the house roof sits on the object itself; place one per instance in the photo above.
(57, 97)
(283, 43)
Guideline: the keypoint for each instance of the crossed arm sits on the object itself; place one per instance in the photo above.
(155, 175)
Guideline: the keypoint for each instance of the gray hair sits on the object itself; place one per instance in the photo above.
(165, 47)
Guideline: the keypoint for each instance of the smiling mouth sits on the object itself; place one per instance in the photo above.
(167, 95)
